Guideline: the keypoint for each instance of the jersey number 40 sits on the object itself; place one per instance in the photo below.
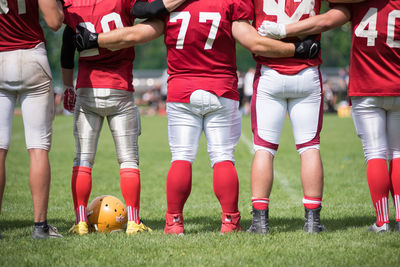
(367, 27)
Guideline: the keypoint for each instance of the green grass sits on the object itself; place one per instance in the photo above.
(347, 207)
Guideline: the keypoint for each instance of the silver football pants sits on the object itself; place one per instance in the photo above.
(377, 122)
(118, 106)
(218, 117)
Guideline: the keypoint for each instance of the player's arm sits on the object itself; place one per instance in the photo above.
(248, 37)
(333, 18)
(67, 67)
(120, 38)
(154, 9)
(52, 13)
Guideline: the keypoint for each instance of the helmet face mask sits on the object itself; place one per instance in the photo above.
(106, 214)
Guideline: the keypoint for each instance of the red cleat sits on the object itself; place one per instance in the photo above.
(230, 222)
(173, 224)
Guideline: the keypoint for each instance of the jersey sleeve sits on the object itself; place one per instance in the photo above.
(242, 10)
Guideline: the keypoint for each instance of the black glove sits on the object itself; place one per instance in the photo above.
(85, 39)
(307, 49)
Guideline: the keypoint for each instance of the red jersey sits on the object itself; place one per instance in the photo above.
(100, 67)
(286, 12)
(375, 48)
(201, 50)
(19, 25)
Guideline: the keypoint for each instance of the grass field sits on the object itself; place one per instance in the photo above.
(347, 208)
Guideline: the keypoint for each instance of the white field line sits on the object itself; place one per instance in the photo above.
(283, 180)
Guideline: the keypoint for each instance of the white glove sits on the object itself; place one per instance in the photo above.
(272, 29)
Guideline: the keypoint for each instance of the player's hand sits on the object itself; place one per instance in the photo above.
(69, 99)
(85, 39)
(272, 29)
(307, 49)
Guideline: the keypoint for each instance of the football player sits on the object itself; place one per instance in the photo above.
(104, 90)
(202, 91)
(25, 74)
(374, 89)
(286, 86)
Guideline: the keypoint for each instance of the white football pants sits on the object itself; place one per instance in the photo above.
(274, 96)
(92, 105)
(377, 122)
(218, 117)
(25, 74)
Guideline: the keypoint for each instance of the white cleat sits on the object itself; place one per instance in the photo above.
(379, 229)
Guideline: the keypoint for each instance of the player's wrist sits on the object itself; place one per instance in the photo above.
(69, 87)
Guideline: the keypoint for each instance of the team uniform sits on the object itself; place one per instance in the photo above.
(374, 88)
(202, 96)
(24, 73)
(286, 85)
(105, 90)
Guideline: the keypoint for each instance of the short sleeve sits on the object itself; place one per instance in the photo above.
(242, 10)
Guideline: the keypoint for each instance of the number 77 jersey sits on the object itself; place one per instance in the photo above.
(201, 50)
(375, 48)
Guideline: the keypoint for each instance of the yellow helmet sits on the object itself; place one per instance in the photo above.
(106, 214)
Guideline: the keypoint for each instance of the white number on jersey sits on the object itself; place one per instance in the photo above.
(273, 8)
(4, 7)
(112, 17)
(215, 17)
(393, 15)
(185, 17)
(369, 20)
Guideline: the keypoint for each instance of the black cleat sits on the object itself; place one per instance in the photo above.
(43, 232)
(312, 222)
(259, 225)
(397, 227)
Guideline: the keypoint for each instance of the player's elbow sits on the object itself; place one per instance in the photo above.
(55, 22)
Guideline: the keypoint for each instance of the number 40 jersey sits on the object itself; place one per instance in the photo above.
(375, 48)
(100, 67)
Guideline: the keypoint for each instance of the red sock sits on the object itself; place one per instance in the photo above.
(260, 203)
(312, 202)
(226, 186)
(379, 186)
(130, 188)
(179, 185)
(395, 185)
(81, 185)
